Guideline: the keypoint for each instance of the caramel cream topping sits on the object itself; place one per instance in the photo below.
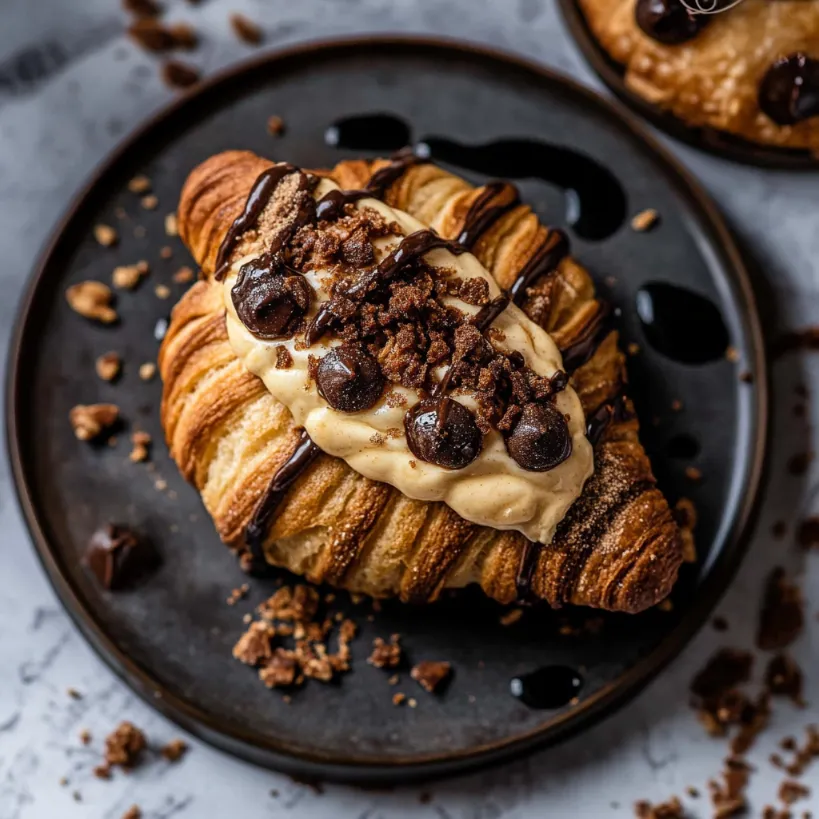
(492, 490)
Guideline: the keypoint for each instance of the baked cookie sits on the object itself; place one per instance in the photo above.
(751, 70)
(464, 381)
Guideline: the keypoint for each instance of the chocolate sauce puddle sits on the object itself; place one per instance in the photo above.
(596, 203)
(550, 687)
(285, 476)
(681, 324)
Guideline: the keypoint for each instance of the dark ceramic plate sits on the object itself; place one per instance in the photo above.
(171, 638)
(712, 140)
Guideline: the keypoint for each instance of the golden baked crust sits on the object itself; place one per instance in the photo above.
(713, 79)
(619, 547)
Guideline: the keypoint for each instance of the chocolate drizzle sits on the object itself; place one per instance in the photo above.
(285, 476)
(581, 350)
(480, 218)
(789, 91)
(383, 178)
(546, 259)
(526, 569)
(608, 413)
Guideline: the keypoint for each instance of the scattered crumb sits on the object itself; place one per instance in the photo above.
(633, 348)
(645, 220)
(147, 370)
(149, 202)
(511, 616)
(732, 354)
(384, 654)
(171, 225)
(672, 809)
(412, 702)
(179, 75)
(128, 276)
(140, 451)
(102, 771)
(246, 30)
(429, 674)
(162, 291)
(791, 791)
(85, 736)
(151, 35)
(238, 594)
(89, 421)
(106, 235)
(124, 745)
(73, 693)
(284, 360)
(807, 535)
(275, 126)
(398, 698)
(92, 300)
(165, 252)
(782, 618)
(676, 405)
(783, 677)
(132, 813)
(108, 366)
(693, 474)
(139, 184)
(63, 781)
(183, 275)
(394, 680)
(174, 750)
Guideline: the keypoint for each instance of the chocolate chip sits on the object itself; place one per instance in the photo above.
(789, 91)
(117, 556)
(668, 21)
(540, 440)
(349, 378)
(270, 302)
(443, 432)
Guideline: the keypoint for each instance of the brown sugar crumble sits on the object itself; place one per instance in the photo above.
(275, 126)
(246, 30)
(672, 809)
(283, 358)
(291, 615)
(174, 750)
(90, 421)
(386, 654)
(430, 674)
(645, 220)
(92, 300)
(108, 366)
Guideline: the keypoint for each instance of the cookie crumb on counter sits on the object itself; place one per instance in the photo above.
(85, 736)
(398, 698)
(174, 750)
(89, 421)
(92, 300)
(108, 366)
(132, 813)
(179, 75)
(672, 809)
(645, 220)
(124, 746)
(106, 235)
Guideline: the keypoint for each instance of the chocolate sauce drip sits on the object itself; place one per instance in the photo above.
(489, 312)
(613, 411)
(303, 455)
(789, 91)
(331, 206)
(578, 353)
(550, 687)
(412, 247)
(681, 324)
(526, 570)
(261, 192)
(384, 133)
(383, 179)
(669, 21)
(546, 259)
(480, 218)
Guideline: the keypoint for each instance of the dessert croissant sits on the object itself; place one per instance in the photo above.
(450, 356)
(751, 70)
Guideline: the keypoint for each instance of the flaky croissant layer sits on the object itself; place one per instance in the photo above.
(617, 548)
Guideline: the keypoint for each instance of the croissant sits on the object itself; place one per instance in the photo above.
(618, 547)
(751, 70)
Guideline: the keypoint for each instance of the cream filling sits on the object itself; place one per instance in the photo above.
(491, 491)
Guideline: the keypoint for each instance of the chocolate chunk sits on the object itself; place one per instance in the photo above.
(117, 556)
(443, 432)
(782, 617)
(270, 302)
(349, 378)
(789, 91)
(668, 21)
(540, 440)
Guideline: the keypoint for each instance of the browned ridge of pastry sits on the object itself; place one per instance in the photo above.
(618, 548)
(752, 70)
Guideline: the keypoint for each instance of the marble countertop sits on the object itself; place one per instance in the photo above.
(64, 103)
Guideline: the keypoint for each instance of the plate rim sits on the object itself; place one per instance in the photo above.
(708, 140)
(225, 734)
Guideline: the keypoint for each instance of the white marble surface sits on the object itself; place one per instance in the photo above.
(52, 133)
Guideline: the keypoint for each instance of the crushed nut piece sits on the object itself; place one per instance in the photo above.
(147, 370)
(429, 674)
(171, 225)
(139, 184)
(162, 291)
(141, 442)
(105, 235)
(92, 300)
(108, 366)
(124, 745)
(245, 29)
(645, 220)
(89, 421)
(174, 750)
(275, 126)
(384, 654)
(128, 276)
